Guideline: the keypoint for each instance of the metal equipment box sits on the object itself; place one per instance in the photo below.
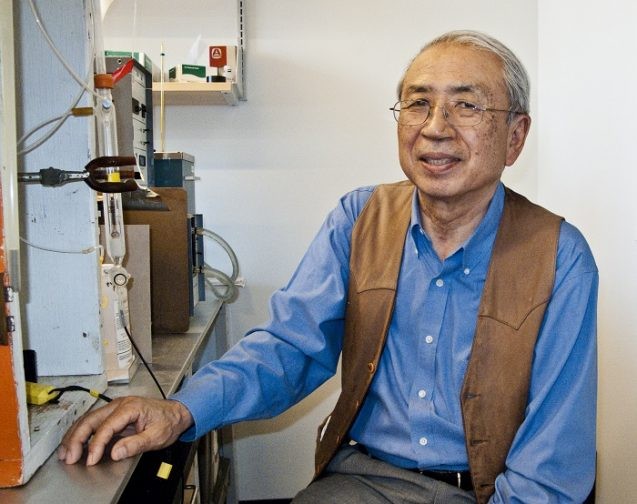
(176, 169)
(133, 98)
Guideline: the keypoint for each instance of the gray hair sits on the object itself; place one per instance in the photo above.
(516, 79)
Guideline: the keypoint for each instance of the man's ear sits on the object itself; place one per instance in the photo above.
(518, 130)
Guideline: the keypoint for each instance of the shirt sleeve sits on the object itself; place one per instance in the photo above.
(277, 364)
(552, 458)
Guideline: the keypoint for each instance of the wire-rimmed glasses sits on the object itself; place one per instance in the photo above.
(456, 112)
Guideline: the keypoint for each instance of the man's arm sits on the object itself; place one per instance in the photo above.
(552, 458)
(269, 370)
(279, 363)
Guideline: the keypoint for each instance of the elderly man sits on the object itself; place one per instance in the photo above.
(465, 316)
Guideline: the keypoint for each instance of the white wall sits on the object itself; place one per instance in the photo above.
(321, 77)
(587, 162)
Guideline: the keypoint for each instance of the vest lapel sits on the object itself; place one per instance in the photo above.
(514, 298)
(376, 254)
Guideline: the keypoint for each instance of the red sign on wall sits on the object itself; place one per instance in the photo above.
(218, 56)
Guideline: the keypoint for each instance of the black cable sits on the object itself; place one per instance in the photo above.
(152, 375)
(71, 388)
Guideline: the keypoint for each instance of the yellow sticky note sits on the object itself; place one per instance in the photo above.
(164, 470)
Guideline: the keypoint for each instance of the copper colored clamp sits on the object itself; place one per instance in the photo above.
(98, 174)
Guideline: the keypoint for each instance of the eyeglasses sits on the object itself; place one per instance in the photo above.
(456, 112)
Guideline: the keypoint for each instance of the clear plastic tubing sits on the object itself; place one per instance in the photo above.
(112, 203)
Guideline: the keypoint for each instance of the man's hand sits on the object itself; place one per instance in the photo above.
(157, 424)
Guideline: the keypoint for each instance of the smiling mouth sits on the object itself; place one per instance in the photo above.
(439, 161)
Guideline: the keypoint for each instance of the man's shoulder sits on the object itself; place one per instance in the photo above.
(574, 255)
(355, 200)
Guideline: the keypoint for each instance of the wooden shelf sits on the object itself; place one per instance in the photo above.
(196, 93)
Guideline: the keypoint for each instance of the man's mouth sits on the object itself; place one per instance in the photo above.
(439, 161)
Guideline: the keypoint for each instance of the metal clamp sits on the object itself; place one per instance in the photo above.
(106, 174)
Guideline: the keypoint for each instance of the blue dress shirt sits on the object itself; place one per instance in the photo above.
(411, 416)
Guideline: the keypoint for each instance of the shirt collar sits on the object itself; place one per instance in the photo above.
(479, 243)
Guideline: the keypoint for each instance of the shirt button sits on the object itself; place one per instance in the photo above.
(423, 441)
(422, 393)
(467, 271)
(429, 338)
(440, 282)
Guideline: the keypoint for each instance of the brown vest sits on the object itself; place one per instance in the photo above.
(517, 289)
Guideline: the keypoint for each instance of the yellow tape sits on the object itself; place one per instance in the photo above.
(38, 394)
(82, 111)
(113, 177)
(164, 470)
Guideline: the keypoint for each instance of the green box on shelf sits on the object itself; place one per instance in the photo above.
(187, 73)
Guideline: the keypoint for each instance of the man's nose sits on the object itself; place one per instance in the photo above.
(437, 124)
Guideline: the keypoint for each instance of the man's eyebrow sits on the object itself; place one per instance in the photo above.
(466, 88)
(452, 89)
(416, 88)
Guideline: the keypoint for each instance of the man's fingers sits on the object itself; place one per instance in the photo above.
(157, 423)
(159, 433)
(133, 445)
(114, 424)
(99, 426)
(73, 442)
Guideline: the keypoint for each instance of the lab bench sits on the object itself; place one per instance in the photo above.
(174, 357)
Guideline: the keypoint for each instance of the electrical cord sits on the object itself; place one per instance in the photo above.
(71, 388)
(146, 365)
(38, 394)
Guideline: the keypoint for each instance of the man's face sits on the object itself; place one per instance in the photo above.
(451, 163)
